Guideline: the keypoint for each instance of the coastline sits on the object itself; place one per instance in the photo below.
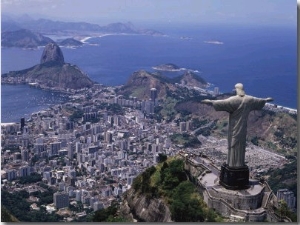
(174, 70)
(85, 39)
(205, 70)
(280, 108)
(15, 106)
(268, 106)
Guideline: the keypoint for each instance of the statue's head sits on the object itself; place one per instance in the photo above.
(239, 88)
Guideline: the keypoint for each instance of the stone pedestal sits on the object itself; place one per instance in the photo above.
(247, 204)
(234, 178)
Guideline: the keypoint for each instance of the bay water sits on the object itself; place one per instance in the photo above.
(264, 59)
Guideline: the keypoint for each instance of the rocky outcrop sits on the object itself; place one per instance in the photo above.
(52, 52)
(23, 39)
(51, 73)
(140, 83)
(167, 67)
(140, 208)
(191, 79)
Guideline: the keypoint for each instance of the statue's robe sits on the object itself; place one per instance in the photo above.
(238, 108)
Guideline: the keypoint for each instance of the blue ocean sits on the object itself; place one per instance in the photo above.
(263, 58)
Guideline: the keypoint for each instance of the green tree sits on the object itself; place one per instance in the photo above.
(33, 178)
(109, 214)
(6, 216)
(173, 174)
(116, 109)
(77, 114)
(183, 207)
(162, 157)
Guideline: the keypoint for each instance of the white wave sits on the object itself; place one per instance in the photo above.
(85, 39)
(214, 42)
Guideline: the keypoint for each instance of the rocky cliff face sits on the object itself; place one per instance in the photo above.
(52, 52)
(51, 73)
(138, 207)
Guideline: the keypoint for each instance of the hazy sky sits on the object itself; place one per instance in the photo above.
(283, 12)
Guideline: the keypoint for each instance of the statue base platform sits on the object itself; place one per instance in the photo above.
(234, 178)
(244, 203)
(239, 205)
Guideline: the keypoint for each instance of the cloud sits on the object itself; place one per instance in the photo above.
(30, 6)
(155, 10)
(27, 3)
(10, 2)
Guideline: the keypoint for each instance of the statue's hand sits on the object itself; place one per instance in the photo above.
(269, 99)
(206, 101)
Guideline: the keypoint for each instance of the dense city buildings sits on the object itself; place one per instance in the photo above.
(89, 150)
(61, 200)
(288, 197)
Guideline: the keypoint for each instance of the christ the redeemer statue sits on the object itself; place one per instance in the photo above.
(238, 107)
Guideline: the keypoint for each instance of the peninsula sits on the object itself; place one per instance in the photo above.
(51, 73)
(23, 38)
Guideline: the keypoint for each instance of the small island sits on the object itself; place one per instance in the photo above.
(186, 38)
(168, 67)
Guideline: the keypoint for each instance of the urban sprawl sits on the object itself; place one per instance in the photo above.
(94, 160)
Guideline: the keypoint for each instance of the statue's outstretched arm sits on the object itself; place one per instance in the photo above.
(268, 99)
(207, 101)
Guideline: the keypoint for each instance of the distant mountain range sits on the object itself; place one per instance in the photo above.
(46, 26)
(27, 39)
(26, 32)
(23, 39)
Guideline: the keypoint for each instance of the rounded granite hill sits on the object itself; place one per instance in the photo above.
(52, 72)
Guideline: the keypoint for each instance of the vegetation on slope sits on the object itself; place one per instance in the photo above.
(109, 214)
(285, 177)
(271, 130)
(6, 216)
(169, 181)
(16, 204)
(185, 139)
(282, 178)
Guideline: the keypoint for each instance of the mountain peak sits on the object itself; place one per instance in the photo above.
(191, 79)
(52, 72)
(23, 38)
(52, 52)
